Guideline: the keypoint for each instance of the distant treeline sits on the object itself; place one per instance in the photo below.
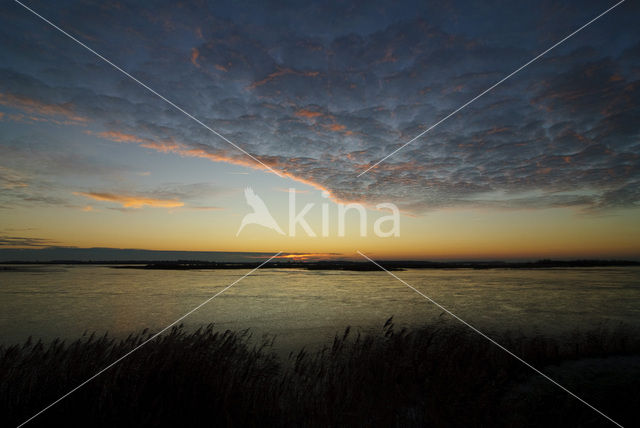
(388, 264)
(334, 264)
(437, 375)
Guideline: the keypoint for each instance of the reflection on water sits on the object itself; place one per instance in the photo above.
(308, 307)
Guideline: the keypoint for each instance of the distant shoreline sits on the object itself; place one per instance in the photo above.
(392, 265)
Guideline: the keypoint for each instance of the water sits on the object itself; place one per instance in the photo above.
(309, 307)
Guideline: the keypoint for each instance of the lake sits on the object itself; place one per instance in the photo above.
(306, 308)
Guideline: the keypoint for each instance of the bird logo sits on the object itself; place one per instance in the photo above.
(260, 214)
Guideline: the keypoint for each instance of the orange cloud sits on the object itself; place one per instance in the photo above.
(121, 137)
(282, 72)
(118, 137)
(335, 127)
(195, 53)
(170, 146)
(270, 77)
(496, 130)
(182, 150)
(162, 146)
(308, 114)
(33, 106)
(131, 201)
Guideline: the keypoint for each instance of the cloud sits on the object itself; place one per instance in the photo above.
(201, 208)
(171, 146)
(324, 96)
(275, 76)
(41, 109)
(336, 127)
(120, 137)
(131, 201)
(24, 242)
(10, 179)
(165, 195)
(308, 114)
(195, 53)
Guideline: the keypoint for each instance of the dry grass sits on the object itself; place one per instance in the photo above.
(437, 375)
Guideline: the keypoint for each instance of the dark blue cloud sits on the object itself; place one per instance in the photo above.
(322, 90)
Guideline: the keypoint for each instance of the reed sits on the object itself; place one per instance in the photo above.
(436, 375)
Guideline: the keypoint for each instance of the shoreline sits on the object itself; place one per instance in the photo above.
(390, 265)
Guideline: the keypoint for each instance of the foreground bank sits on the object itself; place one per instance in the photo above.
(438, 375)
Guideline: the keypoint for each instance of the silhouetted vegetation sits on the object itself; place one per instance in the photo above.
(342, 265)
(438, 375)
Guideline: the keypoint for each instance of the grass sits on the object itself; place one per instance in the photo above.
(438, 375)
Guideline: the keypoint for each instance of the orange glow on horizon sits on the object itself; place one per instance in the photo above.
(302, 257)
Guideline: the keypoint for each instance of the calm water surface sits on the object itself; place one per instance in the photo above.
(309, 307)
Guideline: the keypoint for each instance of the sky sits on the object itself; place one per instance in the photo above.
(547, 164)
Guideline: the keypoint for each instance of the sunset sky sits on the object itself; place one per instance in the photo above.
(545, 165)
